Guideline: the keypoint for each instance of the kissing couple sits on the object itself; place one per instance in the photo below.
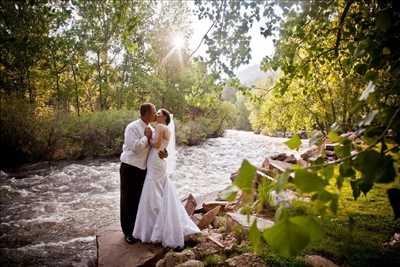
(151, 211)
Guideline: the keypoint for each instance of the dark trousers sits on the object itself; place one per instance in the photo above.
(132, 179)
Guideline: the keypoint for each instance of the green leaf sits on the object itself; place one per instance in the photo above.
(371, 75)
(333, 137)
(255, 238)
(360, 68)
(343, 150)
(294, 142)
(361, 185)
(383, 19)
(324, 196)
(385, 51)
(292, 234)
(247, 173)
(287, 238)
(311, 224)
(339, 181)
(282, 180)
(334, 204)
(328, 171)
(229, 193)
(375, 166)
(308, 181)
(263, 190)
(355, 188)
(365, 185)
(346, 170)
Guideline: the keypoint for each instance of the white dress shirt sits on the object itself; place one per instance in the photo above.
(136, 146)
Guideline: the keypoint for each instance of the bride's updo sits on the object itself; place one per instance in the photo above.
(167, 115)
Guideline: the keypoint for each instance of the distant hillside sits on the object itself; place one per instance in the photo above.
(250, 75)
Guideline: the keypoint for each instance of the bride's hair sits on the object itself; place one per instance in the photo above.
(167, 115)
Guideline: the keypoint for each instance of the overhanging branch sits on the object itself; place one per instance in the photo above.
(342, 17)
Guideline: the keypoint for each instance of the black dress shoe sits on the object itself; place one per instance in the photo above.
(178, 249)
(130, 239)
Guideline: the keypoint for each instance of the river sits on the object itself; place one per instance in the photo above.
(51, 220)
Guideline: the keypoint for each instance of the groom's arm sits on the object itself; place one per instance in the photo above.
(134, 141)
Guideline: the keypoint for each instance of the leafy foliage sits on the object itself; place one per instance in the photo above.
(338, 71)
(82, 57)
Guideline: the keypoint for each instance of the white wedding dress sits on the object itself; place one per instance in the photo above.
(161, 216)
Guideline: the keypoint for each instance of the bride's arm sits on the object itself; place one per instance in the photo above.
(159, 135)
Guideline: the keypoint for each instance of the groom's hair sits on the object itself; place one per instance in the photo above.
(145, 108)
(167, 115)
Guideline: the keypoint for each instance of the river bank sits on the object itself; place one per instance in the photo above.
(26, 137)
(369, 238)
(51, 219)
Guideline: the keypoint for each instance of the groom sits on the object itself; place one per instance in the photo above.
(136, 147)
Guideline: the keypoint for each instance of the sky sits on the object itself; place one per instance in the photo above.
(260, 46)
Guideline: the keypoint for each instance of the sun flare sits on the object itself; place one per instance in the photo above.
(178, 41)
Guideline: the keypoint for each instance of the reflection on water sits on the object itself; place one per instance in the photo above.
(51, 220)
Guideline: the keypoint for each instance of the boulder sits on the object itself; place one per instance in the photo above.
(246, 221)
(206, 248)
(196, 218)
(280, 156)
(224, 241)
(330, 147)
(281, 166)
(191, 263)
(172, 258)
(206, 198)
(246, 259)
(265, 164)
(219, 222)
(190, 205)
(285, 157)
(209, 217)
(234, 176)
(207, 206)
(311, 153)
(112, 250)
(318, 261)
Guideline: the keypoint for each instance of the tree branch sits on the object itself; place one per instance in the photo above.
(202, 39)
(342, 17)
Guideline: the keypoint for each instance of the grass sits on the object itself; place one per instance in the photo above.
(356, 236)
(213, 260)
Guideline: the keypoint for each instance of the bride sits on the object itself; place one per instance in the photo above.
(161, 216)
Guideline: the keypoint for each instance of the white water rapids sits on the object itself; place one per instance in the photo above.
(51, 220)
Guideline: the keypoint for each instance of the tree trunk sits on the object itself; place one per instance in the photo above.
(100, 80)
(76, 90)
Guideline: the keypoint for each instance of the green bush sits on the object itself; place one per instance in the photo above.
(211, 124)
(30, 135)
(26, 136)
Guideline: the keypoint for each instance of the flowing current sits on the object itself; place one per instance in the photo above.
(52, 220)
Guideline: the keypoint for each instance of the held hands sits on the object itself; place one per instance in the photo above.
(148, 132)
(163, 154)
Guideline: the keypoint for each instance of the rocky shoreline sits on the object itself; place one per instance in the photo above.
(224, 230)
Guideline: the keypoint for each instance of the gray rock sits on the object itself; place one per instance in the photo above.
(209, 217)
(190, 205)
(318, 261)
(246, 221)
(172, 259)
(112, 250)
(191, 263)
(246, 259)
